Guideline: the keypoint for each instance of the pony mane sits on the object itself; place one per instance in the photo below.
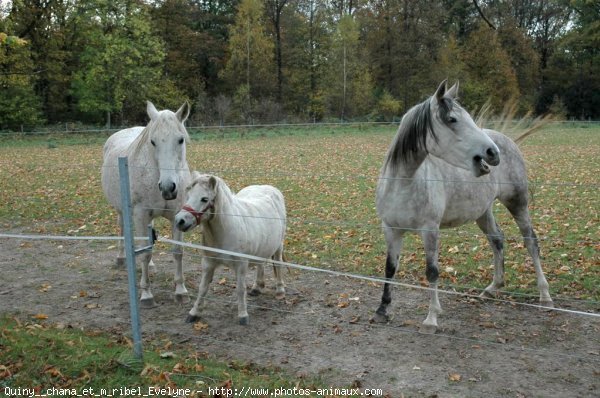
(411, 137)
(162, 123)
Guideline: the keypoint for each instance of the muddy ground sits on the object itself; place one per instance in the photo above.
(322, 328)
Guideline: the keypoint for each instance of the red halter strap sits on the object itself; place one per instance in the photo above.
(198, 214)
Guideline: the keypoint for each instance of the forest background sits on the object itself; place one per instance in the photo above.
(96, 62)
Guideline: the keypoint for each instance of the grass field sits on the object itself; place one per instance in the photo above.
(51, 184)
(60, 361)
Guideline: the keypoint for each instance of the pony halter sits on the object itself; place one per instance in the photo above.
(198, 214)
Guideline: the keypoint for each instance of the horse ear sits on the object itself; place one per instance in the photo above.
(151, 109)
(453, 91)
(183, 112)
(441, 90)
(212, 182)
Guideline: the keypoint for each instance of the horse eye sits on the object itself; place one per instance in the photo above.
(153, 143)
(451, 119)
(180, 141)
(204, 199)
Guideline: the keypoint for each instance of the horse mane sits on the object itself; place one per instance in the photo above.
(411, 137)
(161, 124)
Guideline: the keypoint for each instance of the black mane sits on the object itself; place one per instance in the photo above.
(412, 133)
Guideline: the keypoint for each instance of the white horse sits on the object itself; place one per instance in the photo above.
(158, 169)
(252, 222)
(427, 183)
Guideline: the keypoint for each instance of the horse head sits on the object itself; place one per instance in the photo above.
(455, 137)
(168, 137)
(200, 205)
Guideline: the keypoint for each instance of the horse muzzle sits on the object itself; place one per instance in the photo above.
(168, 190)
(482, 163)
(182, 223)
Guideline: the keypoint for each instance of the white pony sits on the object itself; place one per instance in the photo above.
(252, 222)
(427, 183)
(158, 169)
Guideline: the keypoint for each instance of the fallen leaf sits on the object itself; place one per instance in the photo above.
(454, 377)
(45, 287)
(52, 371)
(343, 304)
(167, 354)
(180, 368)
(198, 368)
(199, 326)
(40, 316)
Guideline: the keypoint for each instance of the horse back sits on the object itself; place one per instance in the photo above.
(118, 143)
(263, 199)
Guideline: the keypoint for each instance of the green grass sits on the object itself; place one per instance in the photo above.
(328, 175)
(35, 355)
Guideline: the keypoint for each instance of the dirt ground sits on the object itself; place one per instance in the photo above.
(322, 328)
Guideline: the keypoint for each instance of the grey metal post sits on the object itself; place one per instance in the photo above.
(130, 256)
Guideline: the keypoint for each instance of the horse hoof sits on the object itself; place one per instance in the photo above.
(547, 304)
(487, 294)
(280, 295)
(192, 318)
(243, 320)
(428, 329)
(381, 318)
(254, 292)
(148, 303)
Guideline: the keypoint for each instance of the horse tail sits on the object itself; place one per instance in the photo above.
(509, 125)
(534, 127)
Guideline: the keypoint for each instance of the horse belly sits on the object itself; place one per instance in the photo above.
(466, 207)
(265, 220)
(116, 146)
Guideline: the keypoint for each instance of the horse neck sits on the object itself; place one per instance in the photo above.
(223, 221)
(139, 151)
(407, 168)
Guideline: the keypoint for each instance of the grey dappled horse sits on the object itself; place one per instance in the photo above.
(427, 183)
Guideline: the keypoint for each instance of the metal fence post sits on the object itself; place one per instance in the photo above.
(130, 256)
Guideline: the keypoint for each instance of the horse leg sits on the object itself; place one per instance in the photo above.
(495, 237)
(208, 271)
(120, 245)
(394, 239)
(521, 216)
(259, 283)
(141, 221)
(280, 287)
(240, 273)
(151, 265)
(181, 293)
(431, 243)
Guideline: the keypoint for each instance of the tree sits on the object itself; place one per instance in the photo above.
(274, 10)
(48, 28)
(250, 60)
(573, 72)
(489, 73)
(350, 87)
(403, 38)
(121, 65)
(307, 50)
(525, 62)
(19, 105)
